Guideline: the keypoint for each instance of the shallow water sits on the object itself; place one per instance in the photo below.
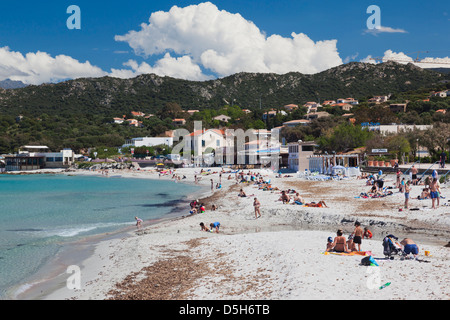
(40, 214)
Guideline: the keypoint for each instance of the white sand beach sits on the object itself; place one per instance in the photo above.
(279, 256)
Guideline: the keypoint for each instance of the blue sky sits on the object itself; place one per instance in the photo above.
(40, 26)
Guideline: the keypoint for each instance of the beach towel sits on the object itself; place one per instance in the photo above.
(353, 253)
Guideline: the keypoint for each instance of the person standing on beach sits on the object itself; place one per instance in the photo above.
(358, 233)
(399, 175)
(414, 175)
(407, 190)
(434, 193)
(442, 159)
(257, 204)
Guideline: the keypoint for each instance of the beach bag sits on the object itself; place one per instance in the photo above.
(368, 261)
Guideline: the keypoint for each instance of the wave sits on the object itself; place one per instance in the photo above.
(72, 231)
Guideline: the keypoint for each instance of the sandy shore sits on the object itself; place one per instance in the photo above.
(278, 256)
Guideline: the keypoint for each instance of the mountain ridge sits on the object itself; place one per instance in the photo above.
(150, 93)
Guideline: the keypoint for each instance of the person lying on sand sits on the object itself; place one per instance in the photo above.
(320, 204)
(203, 227)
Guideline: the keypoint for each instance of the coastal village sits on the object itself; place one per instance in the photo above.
(219, 145)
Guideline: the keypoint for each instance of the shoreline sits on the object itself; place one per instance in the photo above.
(104, 268)
(52, 275)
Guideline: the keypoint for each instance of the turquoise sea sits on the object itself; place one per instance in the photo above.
(40, 214)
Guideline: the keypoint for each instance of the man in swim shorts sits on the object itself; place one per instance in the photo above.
(410, 247)
(434, 194)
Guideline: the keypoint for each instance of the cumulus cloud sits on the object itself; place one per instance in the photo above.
(181, 67)
(225, 43)
(40, 67)
(403, 58)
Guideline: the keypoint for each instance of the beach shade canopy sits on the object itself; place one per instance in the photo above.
(160, 164)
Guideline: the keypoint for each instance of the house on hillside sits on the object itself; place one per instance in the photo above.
(191, 112)
(222, 118)
(397, 107)
(378, 99)
(137, 114)
(135, 123)
(348, 100)
(178, 122)
(290, 107)
(118, 120)
(343, 106)
(440, 94)
(320, 114)
(272, 113)
(294, 123)
(328, 102)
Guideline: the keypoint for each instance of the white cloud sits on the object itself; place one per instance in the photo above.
(40, 67)
(226, 43)
(181, 68)
(383, 29)
(401, 57)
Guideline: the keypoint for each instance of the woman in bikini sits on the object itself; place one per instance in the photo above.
(340, 243)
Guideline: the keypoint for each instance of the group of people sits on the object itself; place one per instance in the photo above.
(212, 227)
(197, 207)
(431, 190)
(353, 243)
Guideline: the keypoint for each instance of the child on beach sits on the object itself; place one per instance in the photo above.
(215, 225)
(329, 244)
(138, 223)
(367, 233)
(358, 234)
(203, 227)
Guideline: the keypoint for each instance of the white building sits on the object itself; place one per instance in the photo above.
(38, 157)
(299, 153)
(205, 140)
(148, 142)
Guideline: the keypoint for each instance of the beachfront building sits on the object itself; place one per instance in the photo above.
(205, 141)
(39, 157)
(148, 142)
(345, 163)
(299, 153)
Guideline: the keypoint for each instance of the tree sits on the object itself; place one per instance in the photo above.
(344, 137)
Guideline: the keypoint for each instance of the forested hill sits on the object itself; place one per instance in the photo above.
(150, 93)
